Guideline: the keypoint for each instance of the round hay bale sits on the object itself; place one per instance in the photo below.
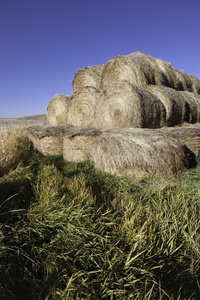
(174, 104)
(167, 74)
(192, 101)
(140, 152)
(148, 66)
(120, 68)
(81, 107)
(190, 136)
(48, 140)
(195, 84)
(123, 104)
(57, 110)
(78, 143)
(87, 76)
(183, 81)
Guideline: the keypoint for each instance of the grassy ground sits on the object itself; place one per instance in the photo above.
(68, 232)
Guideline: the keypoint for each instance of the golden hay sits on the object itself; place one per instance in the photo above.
(57, 110)
(195, 84)
(174, 103)
(183, 81)
(120, 68)
(193, 106)
(81, 106)
(87, 76)
(78, 143)
(48, 140)
(123, 104)
(190, 136)
(167, 74)
(140, 152)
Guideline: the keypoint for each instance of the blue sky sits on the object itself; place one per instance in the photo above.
(44, 42)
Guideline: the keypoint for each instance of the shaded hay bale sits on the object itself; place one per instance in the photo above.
(48, 140)
(87, 76)
(78, 143)
(195, 84)
(192, 101)
(183, 81)
(120, 68)
(174, 103)
(81, 107)
(123, 104)
(140, 152)
(57, 110)
(167, 74)
(190, 136)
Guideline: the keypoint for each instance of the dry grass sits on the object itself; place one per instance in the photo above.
(81, 107)
(87, 76)
(123, 104)
(140, 152)
(57, 109)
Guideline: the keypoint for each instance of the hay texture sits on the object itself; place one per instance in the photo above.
(87, 76)
(78, 143)
(57, 110)
(195, 84)
(190, 136)
(140, 152)
(81, 107)
(48, 140)
(192, 100)
(167, 74)
(174, 103)
(123, 104)
(120, 68)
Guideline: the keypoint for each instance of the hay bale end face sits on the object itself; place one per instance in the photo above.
(57, 109)
(87, 76)
(81, 107)
(140, 152)
(123, 104)
(78, 143)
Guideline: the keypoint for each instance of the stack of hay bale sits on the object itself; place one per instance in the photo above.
(114, 110)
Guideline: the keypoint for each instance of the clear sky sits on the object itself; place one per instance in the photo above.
(44, 42)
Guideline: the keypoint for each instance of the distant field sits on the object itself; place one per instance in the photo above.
(9, 123)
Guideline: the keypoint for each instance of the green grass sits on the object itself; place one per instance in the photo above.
(69, 232)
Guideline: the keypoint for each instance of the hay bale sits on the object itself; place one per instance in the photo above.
(123, 104)
(57, 110)
(192, 101)
(120, 68)
(78, 143)
(148, 66)
(167, 74)
(87, 76)
(174, 104)
(183, 81)
(140, 152)
(190, 136)
(195, 84)
(48, 140)
(81, 107)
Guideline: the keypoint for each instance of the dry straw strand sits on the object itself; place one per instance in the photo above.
(140, 152)
(123, 104)
(81, 107)
(57, 109)
(87, 76)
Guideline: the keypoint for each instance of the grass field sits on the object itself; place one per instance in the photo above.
(69, 232)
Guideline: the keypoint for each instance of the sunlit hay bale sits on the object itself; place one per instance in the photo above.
(82, 105)
(48, 140)
(195, 84)
(148, 66)
(174, 103)
(123, 104)
(78, 143)
(190, 136)
(87, 76)
(140, 152)
(120, 68)
(167, 74)
(192, 101)
(183, 81)
(57, 110)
